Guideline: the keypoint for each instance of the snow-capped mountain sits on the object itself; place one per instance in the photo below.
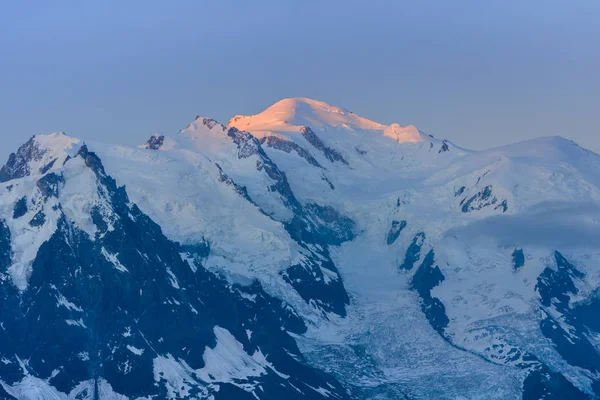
(303, 252)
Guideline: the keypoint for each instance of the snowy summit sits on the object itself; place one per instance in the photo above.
(292, 114)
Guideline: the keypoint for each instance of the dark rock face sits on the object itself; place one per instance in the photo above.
(199, 251)
(247, 144)
(502, 206)
(288, 146)
(426, 278)
(331, 154)
(518, 259)
(209, 122)
(49, 185)
(570, 326)
(17, 165)
(318, 282)
(38, 219)
(395, 230)
(94, 163)
(444, 147)
(107, 308)
(556, 286)
(413, 253)
(155, 142)
(482, 199)
(48, 166)
(5, 246)
(328, 226)
(20, 208)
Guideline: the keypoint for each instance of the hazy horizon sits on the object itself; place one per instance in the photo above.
(480, 75)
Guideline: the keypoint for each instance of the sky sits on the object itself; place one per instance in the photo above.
(479, 73)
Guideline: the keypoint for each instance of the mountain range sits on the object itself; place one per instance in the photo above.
(304, 252)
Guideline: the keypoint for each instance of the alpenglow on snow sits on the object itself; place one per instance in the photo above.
(304, 252)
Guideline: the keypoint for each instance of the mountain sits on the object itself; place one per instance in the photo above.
(98, 303)
(302, 252)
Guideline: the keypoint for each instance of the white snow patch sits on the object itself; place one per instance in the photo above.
(228, 361)
(173, 278)
(135, 350)
(176, 376)
(112, 258)
(62, 301)
(78, 322)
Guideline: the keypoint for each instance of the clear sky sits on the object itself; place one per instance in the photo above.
(480, 73)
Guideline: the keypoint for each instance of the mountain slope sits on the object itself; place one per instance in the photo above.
(110, 308)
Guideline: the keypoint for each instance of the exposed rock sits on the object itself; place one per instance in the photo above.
(38, 219)
(518, 259)
(155, 142)
(444, 147)
(482, 199)
(49, 185)
(395, 230)
(20, 208)
(18, 164)
(425, 279)
(413, 253)
(288, 146)
(331, 154)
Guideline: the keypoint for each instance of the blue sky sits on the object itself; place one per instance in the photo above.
(480, 73)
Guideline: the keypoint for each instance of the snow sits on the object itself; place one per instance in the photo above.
(80, 195)
(32, 388)
(296, 112)
(135, 350)
(202, 206)
(57, 148)
(77, 197)
(177, 376)
(291, 114)
(26, 239)
(395, 177)
(322, 391)
(85, 391)
(228, 361)
(62, 301)
(78, 323)
(112, 258)
(551, 187)
(173, 278)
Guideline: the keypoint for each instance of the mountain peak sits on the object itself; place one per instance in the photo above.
(202, 124)
(291, 114)
(38, 155)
